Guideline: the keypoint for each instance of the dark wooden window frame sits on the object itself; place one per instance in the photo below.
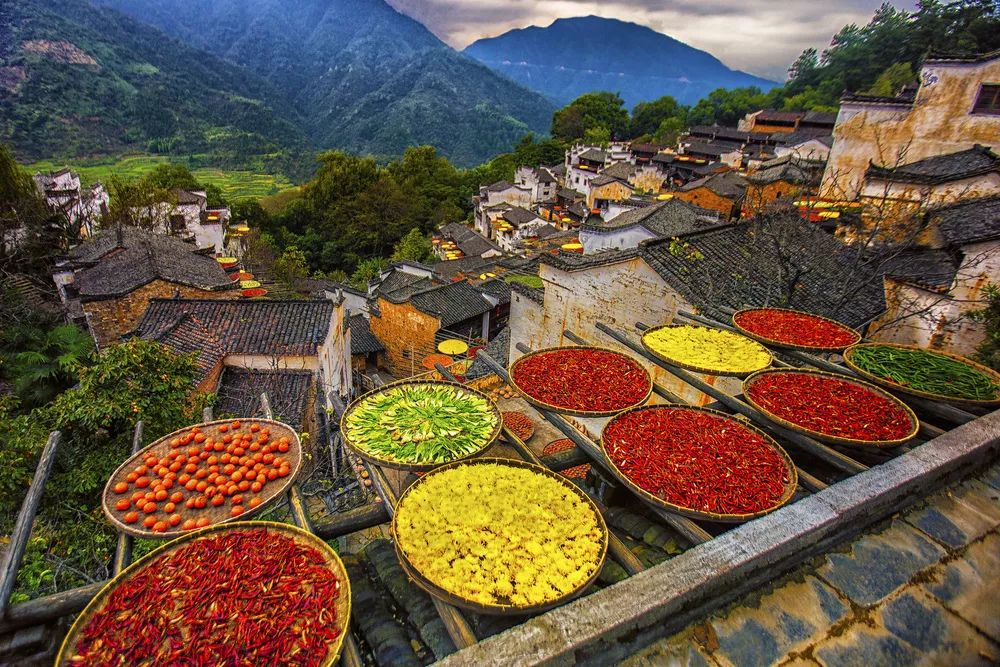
(990, 92)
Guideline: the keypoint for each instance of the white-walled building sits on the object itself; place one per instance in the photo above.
(64, 194)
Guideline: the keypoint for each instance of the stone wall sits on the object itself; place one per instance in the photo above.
(109, 319)
(759, 196)
(408, 336)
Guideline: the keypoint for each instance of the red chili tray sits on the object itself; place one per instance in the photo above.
(795, 320)
(585, 381)
(716, 428)
(273, 486)
(337, 612)
(838, 392)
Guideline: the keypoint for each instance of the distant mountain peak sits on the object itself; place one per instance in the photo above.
(551, 60)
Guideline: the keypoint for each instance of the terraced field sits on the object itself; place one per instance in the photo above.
(234, 184)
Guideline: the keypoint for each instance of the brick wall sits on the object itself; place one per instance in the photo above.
(759, 196)
(110, 318)
(707, 199)
(403, 328)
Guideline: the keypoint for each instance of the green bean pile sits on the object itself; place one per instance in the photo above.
(926, 371)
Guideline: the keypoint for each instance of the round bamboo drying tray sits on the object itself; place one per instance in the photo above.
(524, 433)
(701, 369)
(892, 386)
(791, 346)
(499, 609)
(418, 467)
(790, 485)
(342, 603)
(832, 439)
(570, 411)
(273, 490)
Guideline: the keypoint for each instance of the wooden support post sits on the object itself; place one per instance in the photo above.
(25, 518)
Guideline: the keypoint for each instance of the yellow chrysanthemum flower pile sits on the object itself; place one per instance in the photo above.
(715, 350)
(499, 534)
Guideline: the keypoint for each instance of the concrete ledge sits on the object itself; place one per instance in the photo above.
(714, 573)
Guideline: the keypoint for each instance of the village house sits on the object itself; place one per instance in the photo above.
(627, 230)
(723, 192)
(515, 226)
(273, 337)
(465, 241)
(787, 176)
(729, 154)
(494, 199)
(190, 217)
(542, 183)
(723, 266)
(771, 121)
(106, 282)
(956, 106)
(804, 144)
(606, 188)
(64, 194)
(367, 351)
(410, 323)
(928, 303)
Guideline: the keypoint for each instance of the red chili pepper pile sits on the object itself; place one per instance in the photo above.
(245, 597)
(582, 379)
(830, 406)
(794, 328)
(561, 445)
(697, 460)
(519, 423)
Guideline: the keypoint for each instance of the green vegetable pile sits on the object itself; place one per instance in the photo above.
(422, 423)
(926, 371)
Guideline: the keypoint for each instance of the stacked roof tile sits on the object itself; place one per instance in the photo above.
(976, 161)
(969, 221)
(363, 341)
(287, 391)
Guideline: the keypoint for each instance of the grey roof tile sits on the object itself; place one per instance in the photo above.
(452, 303)
(669, 218)
(287, 391)
(363, 341)
(975, 161)
(969, 221)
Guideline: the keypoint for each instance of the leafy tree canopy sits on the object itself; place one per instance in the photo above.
(589, 112)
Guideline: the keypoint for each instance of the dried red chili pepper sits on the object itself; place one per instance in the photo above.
(582, 379)
(830, 406)
(697, 460)
(795, 328)
(245, 597)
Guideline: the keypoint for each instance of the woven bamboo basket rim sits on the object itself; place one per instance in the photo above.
(703, 369)
(571, 411)
(760, 338)
(531, 431)
(217, 515)
(500, 609)
(786, 496)
(833, 439)
(888, 384)
(342, 604)
(418, 467)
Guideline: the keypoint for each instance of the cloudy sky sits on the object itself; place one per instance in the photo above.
(759, 36)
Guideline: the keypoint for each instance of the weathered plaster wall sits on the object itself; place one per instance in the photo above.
(408, 336)
(705, 198)
(939, 122)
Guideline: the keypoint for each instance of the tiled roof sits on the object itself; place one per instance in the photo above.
(546, 231)
(450, 268)
(975, 161)
(621, 170)
(790, 169)
(189, 196)
(773, 116)
(820, 117)
(544, 175)
(468, 240)
(931, 269)
(942, 57)
(737, 266)
(969, 221)
(802, 136)
(569, 193)
(270, 327)
(728, 184)
(715, 149)
(717, 131)
(398, 285)
(363, 341)
(903, 99)
(646, 148)
(500, 186)
(669, 218)
(187, 333)
(117, 264)
(452, 303)
(496, 288)
(602, 179)
(593, 155)
(518, 216)
(536, 294)
(571, 261)
(287, 391)
(498, 349)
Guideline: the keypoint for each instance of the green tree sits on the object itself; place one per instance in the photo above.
(589, 111)
(48, 362)
(168, 176)
(727, 107)
(138, 203)
(892, 79)
(291, 267)
(367, 271)
(988, 352)
(414, 247)
(30, 236)
(668, 131)
(647, 117)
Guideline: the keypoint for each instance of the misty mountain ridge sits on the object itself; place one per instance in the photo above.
(573, 56)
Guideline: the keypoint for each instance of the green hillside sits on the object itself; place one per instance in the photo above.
(78, 81)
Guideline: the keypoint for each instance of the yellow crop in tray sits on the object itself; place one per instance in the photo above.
(499, 535)
(716, 350)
